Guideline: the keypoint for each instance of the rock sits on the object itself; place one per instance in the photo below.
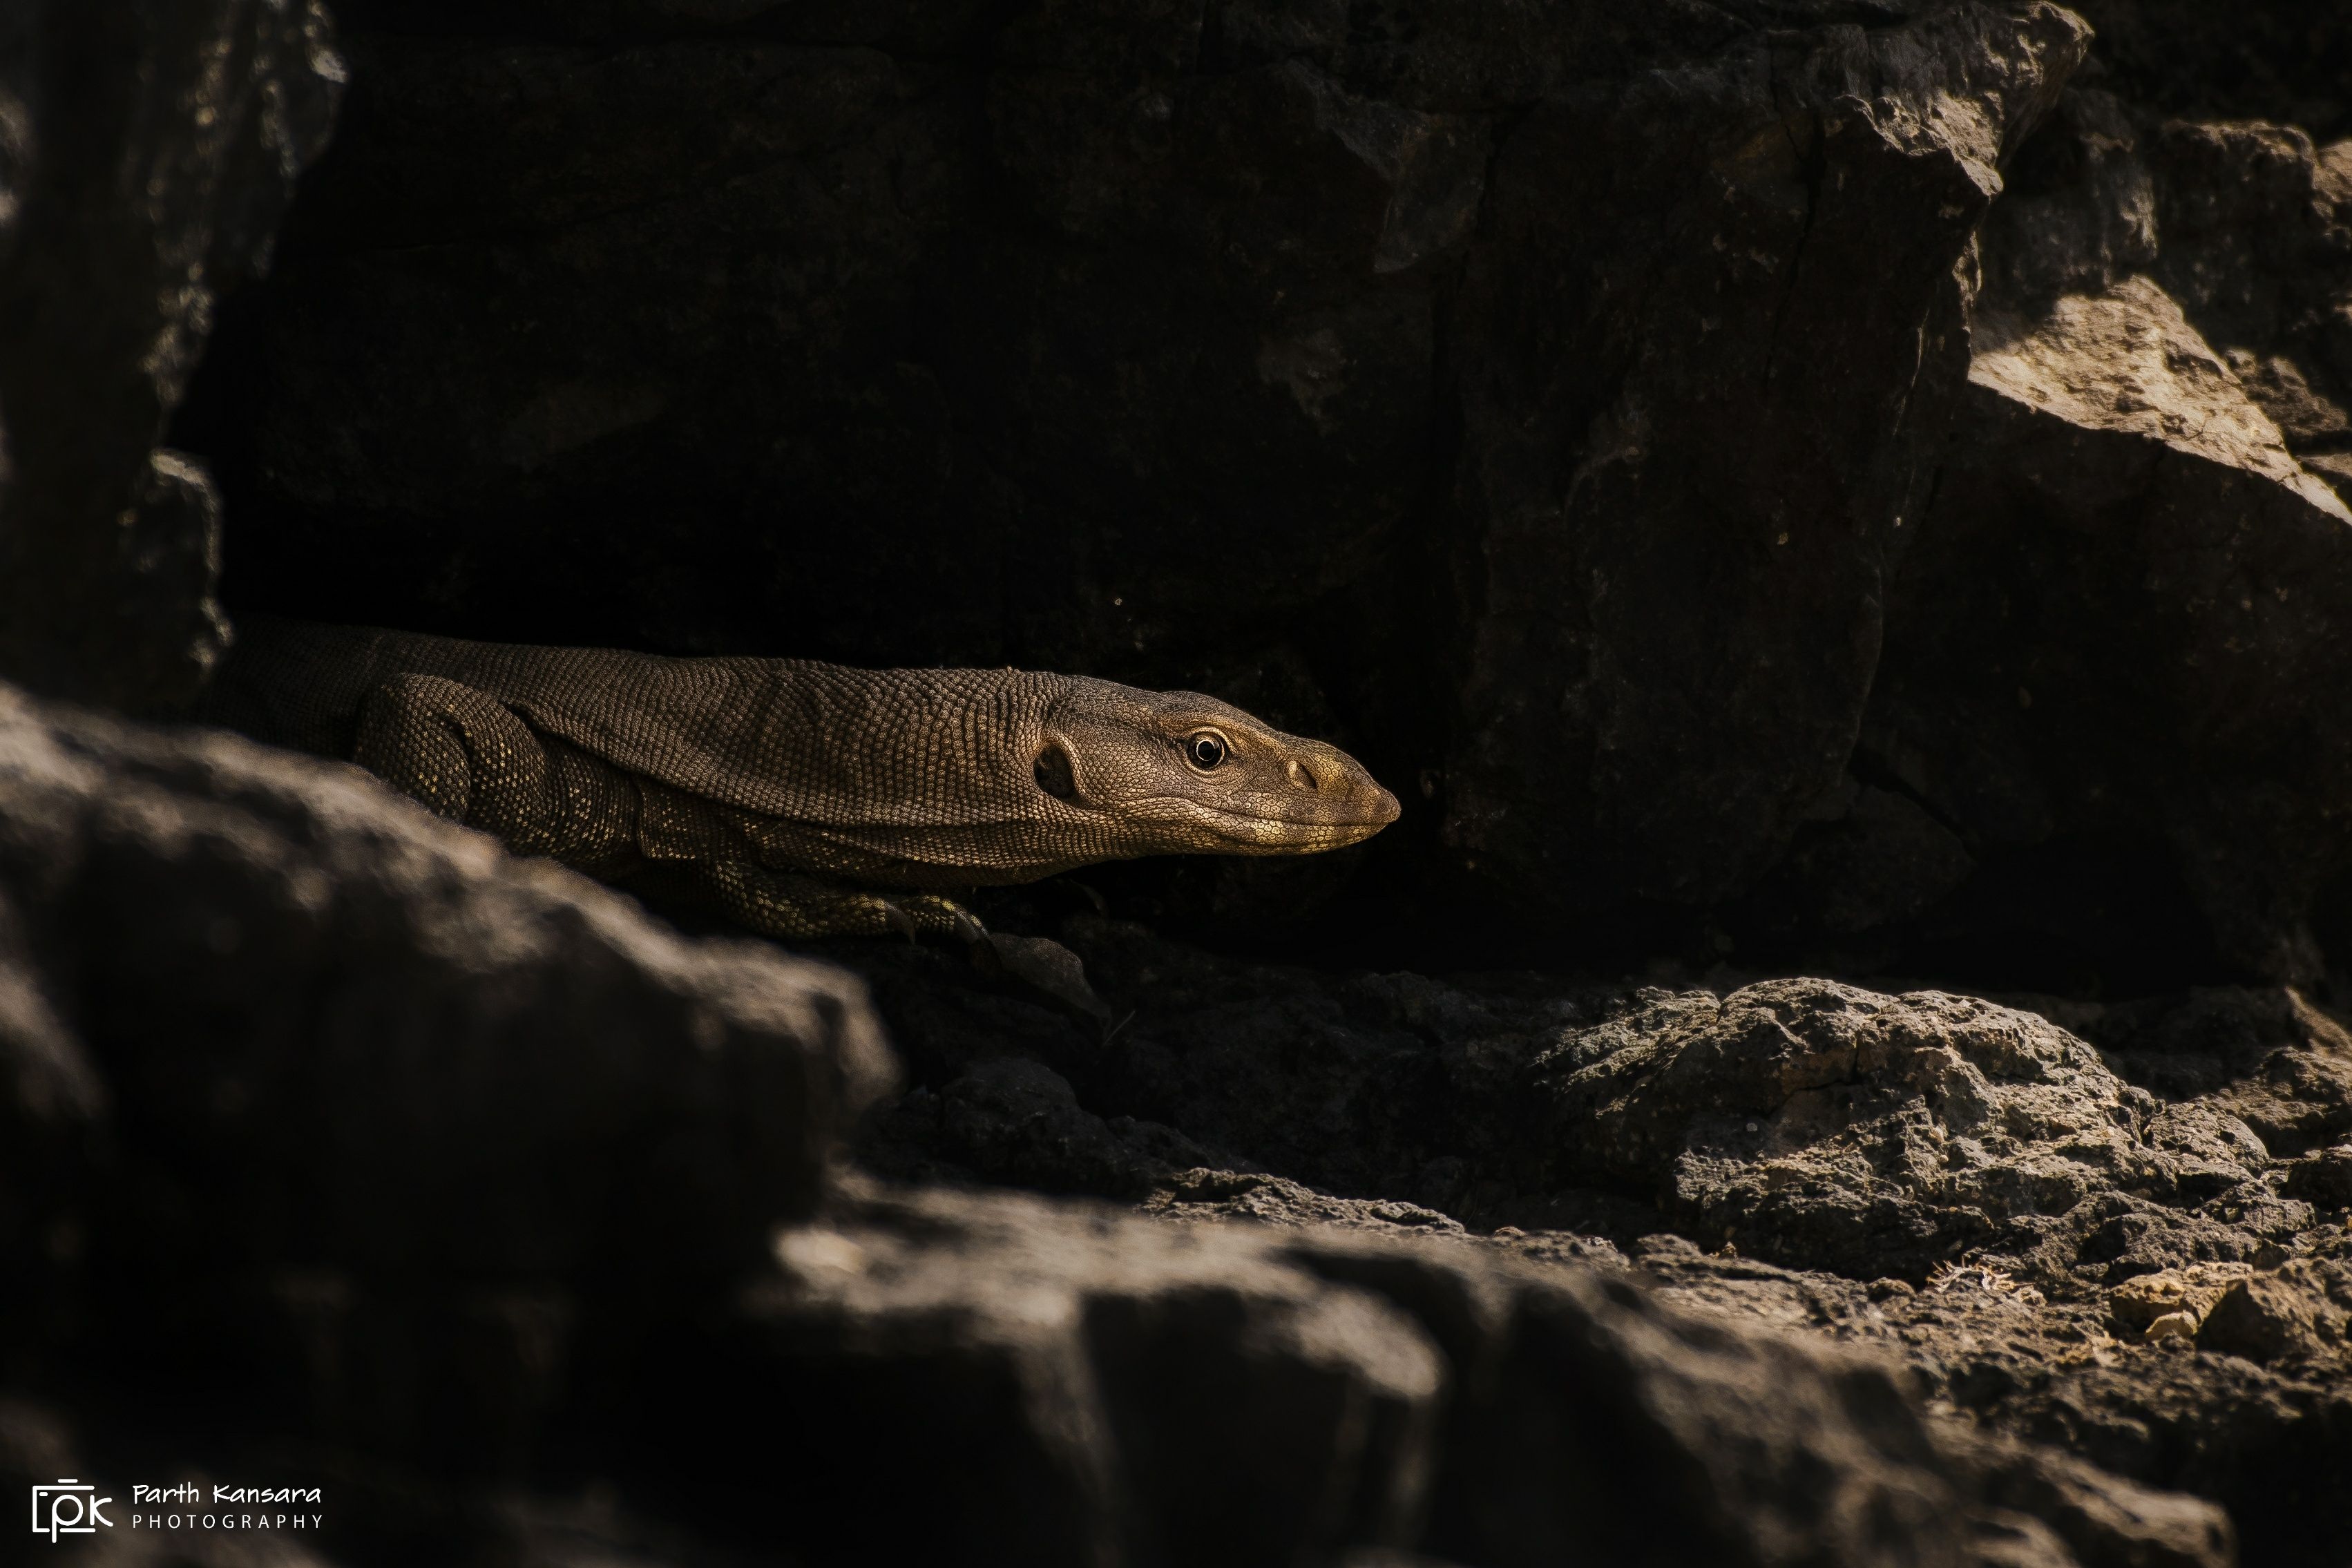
(2019, 737)
(151, 151)
(2297, 1310)
(2153, 341)
(1045, 966)
(2078, 212)
(1209, 1195)
(1117, 1384)
(1817, 1123)
(2172, 1301)
(2104, 1521)
(2269, 59)
(1804, 1121)
(378, 1042)
(2271, 1447)
(1089, 207)
(1862, 864)
(2269, 1444)
(1245, 1394)
(2324, 1178)
(2256, 226)
(2269, 1059)
(1018, 1122)
(1630, 367)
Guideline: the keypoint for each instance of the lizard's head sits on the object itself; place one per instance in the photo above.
(1173, 772)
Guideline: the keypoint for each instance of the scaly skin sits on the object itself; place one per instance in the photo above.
(806, 799)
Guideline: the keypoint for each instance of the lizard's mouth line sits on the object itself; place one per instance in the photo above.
(1250, 830)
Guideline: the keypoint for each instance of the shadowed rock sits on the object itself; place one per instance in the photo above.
(149, 151)
(1235, 1394)
(367, 1040)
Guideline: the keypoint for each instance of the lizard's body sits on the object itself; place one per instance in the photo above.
(800, 793)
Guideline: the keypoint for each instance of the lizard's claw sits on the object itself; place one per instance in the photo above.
(936, 916)
(899, 920)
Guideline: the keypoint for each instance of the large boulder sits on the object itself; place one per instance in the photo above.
(2118, 633)
(266, 1022)
(1816, 1123)
(1700, 374)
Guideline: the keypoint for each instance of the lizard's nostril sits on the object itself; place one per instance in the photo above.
(1300, 777)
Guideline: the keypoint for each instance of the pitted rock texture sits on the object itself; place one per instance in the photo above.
(2270, 1443)
(1883, 1131)
(2300, 1312)
(2269, 1059)
(1819, 1124)
(149, 149)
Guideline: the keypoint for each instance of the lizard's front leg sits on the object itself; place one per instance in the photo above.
(462, 754)
(780, 903)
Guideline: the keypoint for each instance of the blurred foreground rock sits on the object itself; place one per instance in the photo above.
(1245, 1394)
(271, 1031)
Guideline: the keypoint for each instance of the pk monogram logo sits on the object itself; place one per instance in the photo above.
(68, 1508)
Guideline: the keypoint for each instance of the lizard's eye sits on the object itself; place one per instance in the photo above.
(1204, 750)
(1054, 774)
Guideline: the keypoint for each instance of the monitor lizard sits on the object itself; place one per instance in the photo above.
(805, 799)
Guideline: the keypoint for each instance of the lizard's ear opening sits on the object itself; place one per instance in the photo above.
(1054, 775)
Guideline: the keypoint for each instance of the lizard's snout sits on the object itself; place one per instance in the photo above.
(1375, 807)
(1331, 787)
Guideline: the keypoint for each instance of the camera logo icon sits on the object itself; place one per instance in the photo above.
(68, 1508)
